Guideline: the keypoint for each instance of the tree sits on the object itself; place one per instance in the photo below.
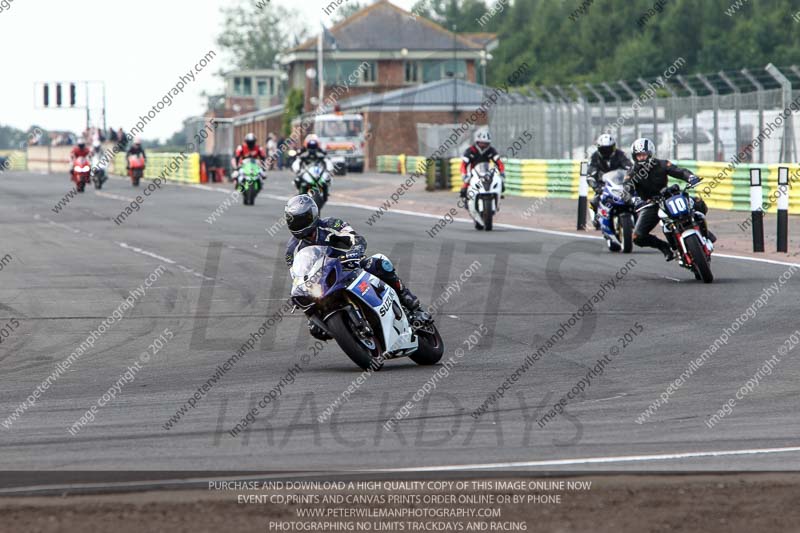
(293, 108)
(254, 36)
(345, 10)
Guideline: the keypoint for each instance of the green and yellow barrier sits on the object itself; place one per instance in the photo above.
(184, 168)
(17, 159)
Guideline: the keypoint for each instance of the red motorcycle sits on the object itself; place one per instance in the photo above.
(135, 168)
(81, 170)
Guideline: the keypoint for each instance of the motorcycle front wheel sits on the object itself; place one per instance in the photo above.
(363, 352)
(431, 347)
(702, 269)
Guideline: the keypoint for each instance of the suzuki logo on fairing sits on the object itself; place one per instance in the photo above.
(385, 307)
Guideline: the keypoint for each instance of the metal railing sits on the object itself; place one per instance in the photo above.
(712, 117)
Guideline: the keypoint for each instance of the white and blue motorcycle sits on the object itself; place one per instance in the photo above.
(361, 312)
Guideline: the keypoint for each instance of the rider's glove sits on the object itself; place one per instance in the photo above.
(694, 181)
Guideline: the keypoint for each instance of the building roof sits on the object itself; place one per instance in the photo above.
(384, 26)
(434, 94)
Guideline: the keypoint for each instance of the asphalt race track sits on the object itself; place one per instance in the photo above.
(71, 270)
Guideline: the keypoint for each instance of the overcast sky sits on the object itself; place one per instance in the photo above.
(139, 48)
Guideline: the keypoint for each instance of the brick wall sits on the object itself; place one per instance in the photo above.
(395, 132)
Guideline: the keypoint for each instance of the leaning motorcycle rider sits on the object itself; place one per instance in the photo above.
(308, 229)
(250, 148)
(647, 178)
(606, 158)
(480, 152)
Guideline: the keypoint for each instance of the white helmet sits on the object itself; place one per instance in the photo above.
(483, 139)
(642, 146)
(606, 145)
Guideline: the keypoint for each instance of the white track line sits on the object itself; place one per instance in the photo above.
(152, 484)
(593, 460)
(114, 196)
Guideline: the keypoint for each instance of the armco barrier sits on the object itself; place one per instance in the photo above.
(167, 165)
(17, 159)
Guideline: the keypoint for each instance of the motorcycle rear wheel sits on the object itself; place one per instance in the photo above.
(357, 350)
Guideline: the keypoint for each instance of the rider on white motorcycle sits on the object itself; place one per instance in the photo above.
(480, 152)
(606, 158)
(307, 229)
(311, 153)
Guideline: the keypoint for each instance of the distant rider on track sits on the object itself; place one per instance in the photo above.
(250, 148)
(606, 158)
(79, 150)
(480, 152)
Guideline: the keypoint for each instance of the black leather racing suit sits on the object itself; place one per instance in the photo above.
(647, 180)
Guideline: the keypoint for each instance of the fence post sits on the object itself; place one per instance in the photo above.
(737, 98)
(715, 104)
(615, 95)
(756, 213)
(693, 93)
(583, 191)
(783, 209)
(674, 112)
(787, 144)
(760, 100)
(634, 98)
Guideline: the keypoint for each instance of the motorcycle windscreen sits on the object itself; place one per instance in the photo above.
(482, 169)
(306, 271)
(250, 169)
(614, 177)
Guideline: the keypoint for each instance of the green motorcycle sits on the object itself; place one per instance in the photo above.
(249, 183)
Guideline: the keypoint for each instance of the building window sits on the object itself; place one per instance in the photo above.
(434, 70)
(262, 88)
(247, 88)
(350, 72)
(412, 72)
(369, 72)
(237, 86)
